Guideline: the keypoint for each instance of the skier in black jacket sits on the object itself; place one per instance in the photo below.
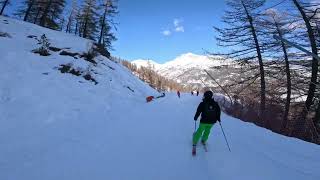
(210, 114)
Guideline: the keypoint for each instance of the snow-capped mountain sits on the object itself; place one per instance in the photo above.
(190, 60)
(146, 63)
(187, 68)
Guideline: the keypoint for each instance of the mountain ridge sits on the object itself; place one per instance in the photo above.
(183, 68)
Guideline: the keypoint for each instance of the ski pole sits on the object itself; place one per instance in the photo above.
(225, 136)
(195, 127)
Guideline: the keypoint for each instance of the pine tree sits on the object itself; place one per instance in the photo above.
(37, 11)
(30, 10)
(106, 37)
(72, 16)
(61, 24)
(78, 21)
(30, 4)
(44, 43)
(52, 10)
(4, 5)
(88, 20)
(46, 13)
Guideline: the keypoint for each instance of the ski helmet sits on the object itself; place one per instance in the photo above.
(208, 94)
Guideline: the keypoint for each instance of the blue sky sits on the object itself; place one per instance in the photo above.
(163, 29)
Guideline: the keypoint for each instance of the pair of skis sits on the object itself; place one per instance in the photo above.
(194, 149)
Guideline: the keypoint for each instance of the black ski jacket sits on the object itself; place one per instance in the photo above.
(206, 118)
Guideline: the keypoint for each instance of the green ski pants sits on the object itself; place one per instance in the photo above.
(203, 131)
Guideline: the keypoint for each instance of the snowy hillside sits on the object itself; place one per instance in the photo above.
(60, 126)
(20, 62)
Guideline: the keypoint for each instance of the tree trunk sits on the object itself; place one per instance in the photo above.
(288, 99)
(68, 30)
(80, 29)
(301, 123)
(317, 116)
(85, 27)
(62, 24)
(318, 29)
(5, 3)
(85, 24)
(68, 27)
(28, 10)
(261, 68)
(45, 14)
(103, 25)
(36, 18)
(76, 29)
(70, 20)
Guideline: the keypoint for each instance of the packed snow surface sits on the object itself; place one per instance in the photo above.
(56, 126)
(137, 140)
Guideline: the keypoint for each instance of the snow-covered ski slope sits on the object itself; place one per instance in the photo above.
(56, 126)
(135, 141)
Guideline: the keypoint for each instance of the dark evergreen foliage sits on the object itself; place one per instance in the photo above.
(46, 13)
(88, 20)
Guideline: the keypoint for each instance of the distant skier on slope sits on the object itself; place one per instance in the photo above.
(210, 114)
(149, 98)
(178, 93)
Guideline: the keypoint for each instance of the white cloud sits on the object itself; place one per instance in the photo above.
(166, 33)
(176, 22)
(177, 25)
(179, 29)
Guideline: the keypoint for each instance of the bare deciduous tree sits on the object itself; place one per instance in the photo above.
(277, 24)
(300, 126)
(242, 35)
